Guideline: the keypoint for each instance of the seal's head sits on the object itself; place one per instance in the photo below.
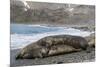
(24, 54)
(32, 54)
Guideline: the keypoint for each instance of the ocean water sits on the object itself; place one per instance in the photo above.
(23, 34)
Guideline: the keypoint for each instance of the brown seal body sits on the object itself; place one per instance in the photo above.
(53, 45)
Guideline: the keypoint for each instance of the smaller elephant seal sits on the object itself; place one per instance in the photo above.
(53, 45)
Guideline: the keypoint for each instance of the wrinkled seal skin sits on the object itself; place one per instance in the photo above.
(53, 45)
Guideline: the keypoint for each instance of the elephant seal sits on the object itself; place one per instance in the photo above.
(53, 45)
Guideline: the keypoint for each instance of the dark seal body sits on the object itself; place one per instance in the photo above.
(53, 45)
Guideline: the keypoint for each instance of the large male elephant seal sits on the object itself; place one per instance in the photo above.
(53, 45)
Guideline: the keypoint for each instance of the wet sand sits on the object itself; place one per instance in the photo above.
(59, 59)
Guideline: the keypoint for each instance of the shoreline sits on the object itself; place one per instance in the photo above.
(56, 24)
(82, 27)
